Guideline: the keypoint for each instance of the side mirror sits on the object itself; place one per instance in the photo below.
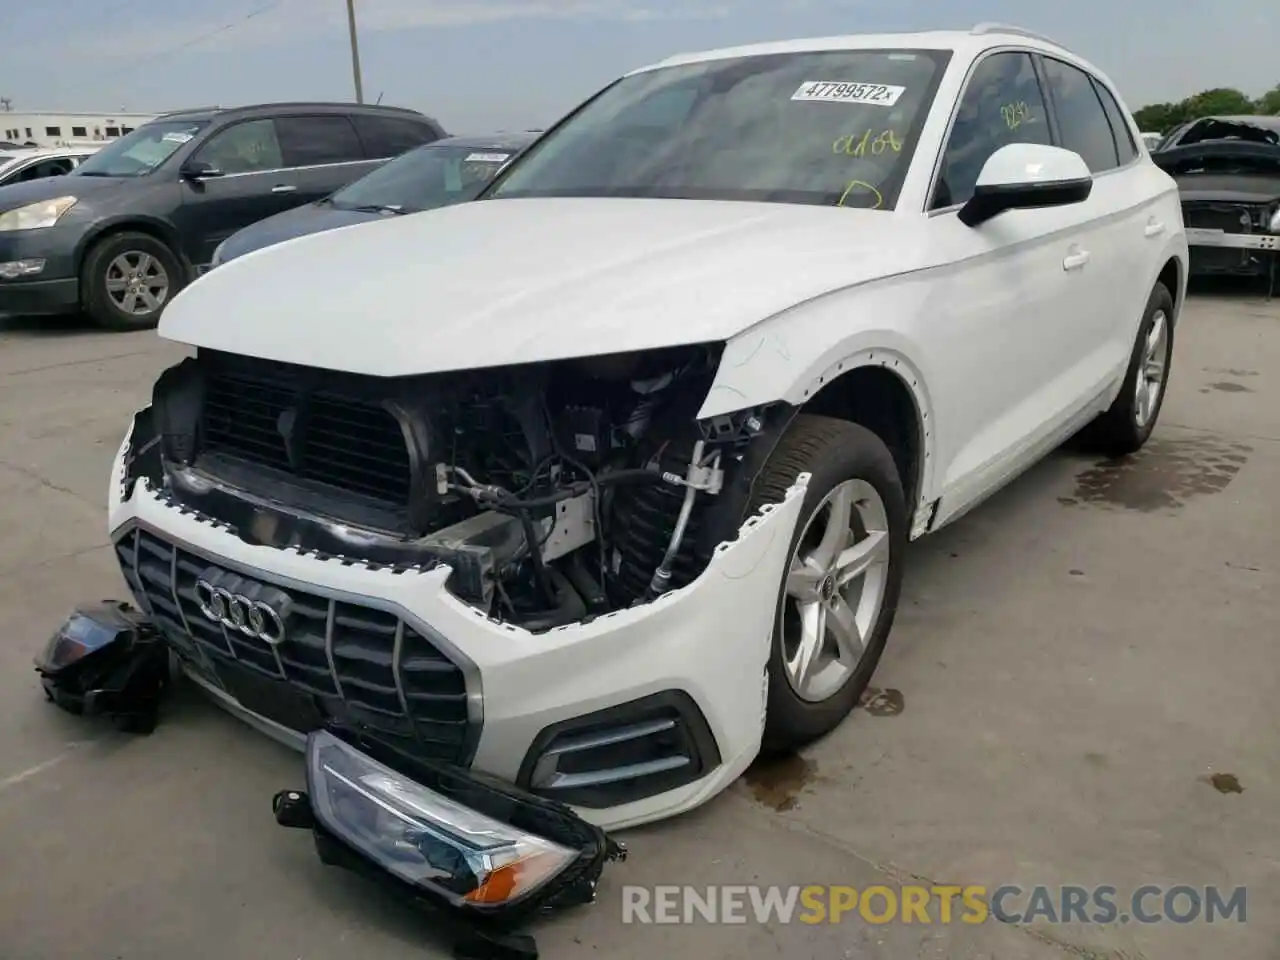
(1027, 176)
(199, 170)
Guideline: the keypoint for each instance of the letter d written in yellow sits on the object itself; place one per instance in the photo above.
(814, 910)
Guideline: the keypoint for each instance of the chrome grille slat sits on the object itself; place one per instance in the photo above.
(362, 663)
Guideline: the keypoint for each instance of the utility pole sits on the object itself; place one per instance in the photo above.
(355, 50)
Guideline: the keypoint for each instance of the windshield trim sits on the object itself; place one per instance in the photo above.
(890, 191)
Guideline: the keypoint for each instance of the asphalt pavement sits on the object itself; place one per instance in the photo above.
(1081, 689)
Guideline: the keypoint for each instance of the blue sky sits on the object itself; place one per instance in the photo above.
(490, 64)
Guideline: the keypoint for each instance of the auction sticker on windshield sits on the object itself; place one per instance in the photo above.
(486, 157)
(832, 91)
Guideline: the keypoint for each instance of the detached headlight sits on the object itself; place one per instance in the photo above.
(470, 843)
(36, 216)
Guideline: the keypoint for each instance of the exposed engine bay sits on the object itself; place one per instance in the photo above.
(555, 491)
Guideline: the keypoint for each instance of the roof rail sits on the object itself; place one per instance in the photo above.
(1008, 28)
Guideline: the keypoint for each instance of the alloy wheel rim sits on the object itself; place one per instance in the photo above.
(1151, 369)
(137, 283)
(835, 590)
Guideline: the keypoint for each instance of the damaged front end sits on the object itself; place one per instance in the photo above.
(490, 855)
(1228, 176)
(555, 492)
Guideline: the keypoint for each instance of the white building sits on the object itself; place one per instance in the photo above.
(67, 129)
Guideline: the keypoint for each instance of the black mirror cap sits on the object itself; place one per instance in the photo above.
(989, 201)
(199, 170)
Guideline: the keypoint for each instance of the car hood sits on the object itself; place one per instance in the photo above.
(498, 282)
(298, 222)
(33, 191)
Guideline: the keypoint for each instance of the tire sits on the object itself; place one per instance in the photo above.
(839, 456)
(1128, 423)
(107, 265)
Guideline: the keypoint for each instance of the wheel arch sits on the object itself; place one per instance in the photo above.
(152, 226)
(1173, 276)
(883, 391)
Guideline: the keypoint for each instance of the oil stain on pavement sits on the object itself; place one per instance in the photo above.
(777, 780)
(1226, 386)
(1223, 782)
(1162, 476)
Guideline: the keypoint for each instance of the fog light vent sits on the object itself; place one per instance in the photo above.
(623, 753)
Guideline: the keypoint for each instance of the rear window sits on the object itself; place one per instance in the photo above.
(391, 136)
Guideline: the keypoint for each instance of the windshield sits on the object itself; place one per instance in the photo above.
(836, 128)
(430, 176)
(140, 152)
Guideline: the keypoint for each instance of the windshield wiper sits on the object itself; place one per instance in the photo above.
(378, 208)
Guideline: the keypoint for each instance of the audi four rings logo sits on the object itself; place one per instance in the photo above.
(235, 611)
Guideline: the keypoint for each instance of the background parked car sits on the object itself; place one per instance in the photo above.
(436, 174)
(1228, 175)
(24, 163)
(123, 232)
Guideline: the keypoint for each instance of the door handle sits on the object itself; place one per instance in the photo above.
(1154, 228)
(1075, 261)
(284, 188)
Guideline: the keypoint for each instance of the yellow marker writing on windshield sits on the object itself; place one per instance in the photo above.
(854, 185)
(867, 145)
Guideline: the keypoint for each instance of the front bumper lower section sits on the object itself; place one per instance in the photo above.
(684, 674)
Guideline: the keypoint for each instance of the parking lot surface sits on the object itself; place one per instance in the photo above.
(1081, 689)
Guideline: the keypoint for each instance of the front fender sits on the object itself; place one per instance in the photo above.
(793, 355)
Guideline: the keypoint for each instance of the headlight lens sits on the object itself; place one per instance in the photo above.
(36, 216)
(423, 837)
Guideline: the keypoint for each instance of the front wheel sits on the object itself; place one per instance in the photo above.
(840, 592)
(127, 280)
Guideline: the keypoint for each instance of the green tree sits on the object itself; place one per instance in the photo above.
(1269, 103)
(1159, 117)
(1220, 101)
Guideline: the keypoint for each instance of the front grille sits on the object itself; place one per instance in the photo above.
(1228, 217)
(352, 443)
(359, 664)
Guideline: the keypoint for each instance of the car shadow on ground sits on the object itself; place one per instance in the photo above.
(18, 326)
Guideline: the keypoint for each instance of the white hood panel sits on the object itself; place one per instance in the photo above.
(500, 282)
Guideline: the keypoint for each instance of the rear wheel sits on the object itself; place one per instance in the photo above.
(127, 280)
(840, 592)
(1127, 425)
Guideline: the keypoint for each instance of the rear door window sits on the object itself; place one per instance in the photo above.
(1125, 145)
(318, 140)
(386, 137)
(1082, 121)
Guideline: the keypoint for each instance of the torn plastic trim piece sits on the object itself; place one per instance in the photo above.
(107, 658)
(468, 844)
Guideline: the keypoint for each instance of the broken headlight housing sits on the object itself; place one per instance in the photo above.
(449, 836)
